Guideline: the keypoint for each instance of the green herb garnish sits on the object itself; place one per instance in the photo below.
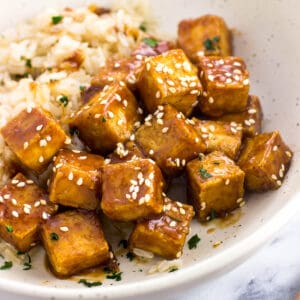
(103, 120)
(54, 236)
(63, 100)
(130, 256)
(124, 244)
(9, 228)
(90, 284)
(57, 19)
(212, 44)
(212, 214)
(20, 252)
(193, 241)
(115, 275)
(28, 63)
(173, 270)
(27, 265)
(204, 174)
(150, 42)
(6, 265)
(216, 163)
(143, 27)
(82, 88)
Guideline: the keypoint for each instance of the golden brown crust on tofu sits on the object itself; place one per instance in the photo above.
(265, 159)
(74, 241)
(129, 151)
(34, 136)
(225, 82)
(76, 179)
(164, 234)
(170, 78)
(127, 70)
(170, 139)
(207, 35)
(23, 208)
(220, 136)
(215, 185)
(251, 118)
(108, 118)
(132, 190)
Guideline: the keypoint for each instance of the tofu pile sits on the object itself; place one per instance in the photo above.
(163, 112)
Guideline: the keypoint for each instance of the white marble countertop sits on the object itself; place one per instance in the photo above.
(273, 273)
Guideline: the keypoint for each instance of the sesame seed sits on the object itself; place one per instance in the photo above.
(204, 135)
(203, 129)
(288, 153)
(178, 254)
(182, 211)
(70, 176)
(6, 196)
(239, 200)
(120, 122)
(14, 181)
(43, 201)
(76, 151)
(247, 123)
(275, 148)
(21, 184)
(197, 140)
(194, 92)
(211, 77)
(59, 165)
(237, 64)
(160, 121)
(39, 127)
(107, 161)
(157, 95)
(148, 66)
(134, 182)
(25, 145)
(79, 181)
(15, 214)
(140, 111)
(68, 141)
(195, 103)
(148, 183)
(186, 66)
(178, 65)
(14, 201)
(252, 121)
(227, 181)
(125, 102)
(183, 162)
(246, 81)
(172, 90)
(274, 177)
(1, 199)
(281, 173)
(132, 137)
(139, 57)
(203, 205)
(151, 151)
(64, 228)
(151, 176)
(278, 182)
(118, 97)
(228, 80)
(251, 111)
(127, 196)
(216, 244)
(170, 82)
(141, 200)
(211, 100)
(110, 114)
(134, 195)
(173, 224)
(26, 210)
(122, 83)
(233, 130)
(43, 143)
(242, 203)
(97, 116)
(131, 79)
(159, 80)
(83, 157)
(236, 77)
(37, 203)
(45, 215)
(29, 109)
(165, 130)
(282, 167)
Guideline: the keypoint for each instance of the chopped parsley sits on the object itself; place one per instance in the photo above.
(150, 42)
(143, 27)
(117, 276)
(9, 228)
(57, 19)
(130, 256)
(204, 174)
(216, 163)
(27, 265)
(103, 120)
(82, 88)
(212, 214)
(20, 252)
(193, 241)
(54, 236)
(124, 244)
(64, 100)
(27, 61)
(90, 284)
(6, 265)
(212, 44)
(173, 270)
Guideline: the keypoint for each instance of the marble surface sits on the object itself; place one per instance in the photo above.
(273, 273)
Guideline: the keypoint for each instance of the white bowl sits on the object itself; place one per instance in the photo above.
(266, 35)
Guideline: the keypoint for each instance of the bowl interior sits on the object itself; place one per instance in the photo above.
(265, 36)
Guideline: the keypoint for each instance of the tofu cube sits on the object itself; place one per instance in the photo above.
(170, 78)
(23, 208)
(220, 136)
(76, 179)
(164, 234)
(125, 70)
(206, 35)
(265, 159)
(74, 241)
(132, 190)
(123, 153)
(108, 118)
(169, 138)
(251, 118)
(225, 82)
(215, 185)
(34, 136)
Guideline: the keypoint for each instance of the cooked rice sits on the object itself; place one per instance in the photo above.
(48, 46)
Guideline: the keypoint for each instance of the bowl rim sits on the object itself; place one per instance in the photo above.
(212, 266)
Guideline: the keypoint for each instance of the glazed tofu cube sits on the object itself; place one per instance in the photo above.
(23, 208)
(215, 185)
(165, 234)
(225, 83)
(125, 70)
(34, 136)
(207, 35)
(220, 136)
(108, 118)
(74, 241)
(129, 151)
(170, 78)
(169, 138)
(132, 190)
(251, 118)
(265, 159)
(76, 179)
